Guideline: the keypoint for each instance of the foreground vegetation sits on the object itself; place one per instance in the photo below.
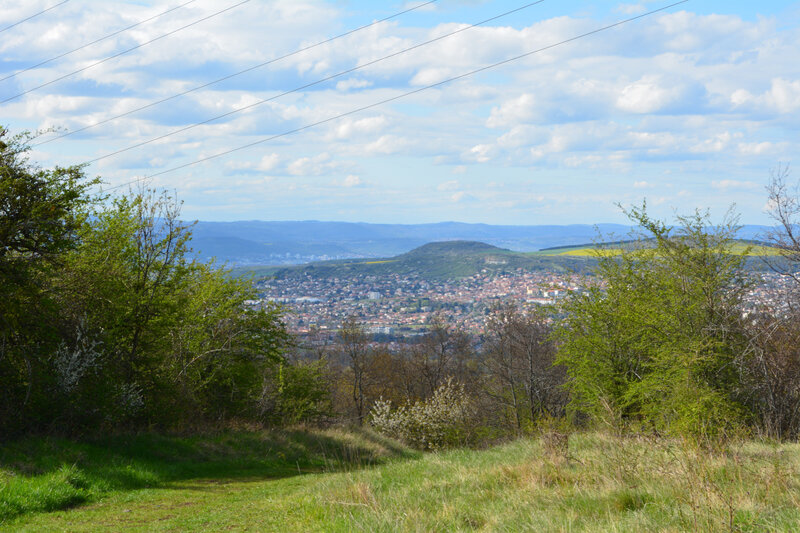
(326, 481)
(108, 322)
(49, 474)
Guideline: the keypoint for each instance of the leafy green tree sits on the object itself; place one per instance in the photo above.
(658, 339)
(298, 392)
(41, 212)
(108, 321)
(176, 338)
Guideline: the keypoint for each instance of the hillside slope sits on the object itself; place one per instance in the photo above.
(597, 483)
(441, 260)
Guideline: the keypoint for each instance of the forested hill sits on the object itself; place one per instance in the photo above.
(442, 260)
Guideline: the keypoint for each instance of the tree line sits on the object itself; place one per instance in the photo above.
(107, 323)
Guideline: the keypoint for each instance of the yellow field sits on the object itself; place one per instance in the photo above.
(738, 249)
(591, 252)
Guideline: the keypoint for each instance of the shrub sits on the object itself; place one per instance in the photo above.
(657, 342)
(441, 421)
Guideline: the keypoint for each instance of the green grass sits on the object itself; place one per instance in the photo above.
(599, 483)
(47, 474)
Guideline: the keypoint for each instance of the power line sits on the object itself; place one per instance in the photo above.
(398, 97)
(409, 93)
(307, 85)
(309, 47)
(124, 51)
(33, 16)
(96, 41)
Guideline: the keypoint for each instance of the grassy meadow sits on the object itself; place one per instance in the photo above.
(355, 481)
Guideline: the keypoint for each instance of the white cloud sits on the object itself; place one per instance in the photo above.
(740, 97)
(448, 185)
(645, 96)
(481, 153)
(311, 166)
(350, 127)
(353, 83)
(512, 112)
(734, 184)
(462, 196)
(759, 148)
(386, 144)
(269, 162)
(784, 95)
(352, 181)
(431, 75)
(631, 9)
(716, 144)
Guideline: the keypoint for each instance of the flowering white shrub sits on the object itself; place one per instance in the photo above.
(438, 422)
(129, 399)
(72, 363)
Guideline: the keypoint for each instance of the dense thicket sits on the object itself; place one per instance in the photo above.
(107, 322)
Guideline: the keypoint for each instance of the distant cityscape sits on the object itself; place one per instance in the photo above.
(395, 307)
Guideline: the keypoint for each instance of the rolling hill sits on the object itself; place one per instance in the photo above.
(441, 260)
(257, 242)
(460, 259)
(294, 242)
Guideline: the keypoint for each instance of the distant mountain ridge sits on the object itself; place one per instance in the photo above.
(255, 242)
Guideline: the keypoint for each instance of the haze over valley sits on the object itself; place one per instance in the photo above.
(255, 242)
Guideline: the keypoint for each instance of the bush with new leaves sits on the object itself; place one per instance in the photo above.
(441, 421)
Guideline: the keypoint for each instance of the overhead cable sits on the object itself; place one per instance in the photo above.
(124, 52)
(398, 97)
(33, 16)
(229, 76)
(311, 84)
(17, 73)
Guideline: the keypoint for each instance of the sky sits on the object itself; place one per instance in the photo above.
(691, 107)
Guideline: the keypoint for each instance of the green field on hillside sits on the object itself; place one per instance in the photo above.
(591, 250)
(346, 481)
